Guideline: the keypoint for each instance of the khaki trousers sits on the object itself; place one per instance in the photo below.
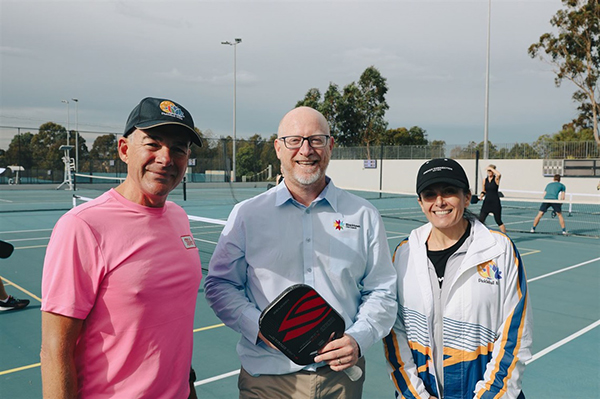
(321, 384)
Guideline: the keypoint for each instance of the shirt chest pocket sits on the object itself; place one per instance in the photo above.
(347, 255)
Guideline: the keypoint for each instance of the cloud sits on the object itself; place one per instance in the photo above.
(242, 77)
(15, 51)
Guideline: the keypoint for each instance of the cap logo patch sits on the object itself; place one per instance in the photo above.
(171, 109)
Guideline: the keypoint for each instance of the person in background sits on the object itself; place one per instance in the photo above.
(491, 197)
(122, 272)
(553, 191)
(305, 230)
(464, 324)
(9, 302)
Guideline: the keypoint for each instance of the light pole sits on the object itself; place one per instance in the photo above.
(76, 134)
(234, 44)
(487, 86)
(67, 102)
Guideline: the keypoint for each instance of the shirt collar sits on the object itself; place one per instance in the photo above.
(328, 194)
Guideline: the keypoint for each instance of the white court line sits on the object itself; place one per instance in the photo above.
(533, 358)
(572, 336)
(396, 237)
(29, 239)
(206, 241)
(563, 341)
(207, 220)
(23, 231)
(562, 270)
(216, 378)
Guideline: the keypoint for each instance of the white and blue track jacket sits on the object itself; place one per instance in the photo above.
(487, 325)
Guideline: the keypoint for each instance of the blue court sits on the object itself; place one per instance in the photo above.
(563, 274)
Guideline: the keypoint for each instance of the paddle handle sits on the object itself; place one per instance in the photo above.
(354, 373)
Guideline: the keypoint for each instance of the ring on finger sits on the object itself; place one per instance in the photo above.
(339, 362)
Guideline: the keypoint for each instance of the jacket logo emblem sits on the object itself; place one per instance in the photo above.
(489, 272)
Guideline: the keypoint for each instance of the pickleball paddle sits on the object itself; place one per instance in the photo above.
(299, 322)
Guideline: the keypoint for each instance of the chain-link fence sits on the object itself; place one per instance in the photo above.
(543, 150)
(39, 153)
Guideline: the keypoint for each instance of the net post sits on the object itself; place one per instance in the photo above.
(380, 169)
(570, 204)
(475, 196)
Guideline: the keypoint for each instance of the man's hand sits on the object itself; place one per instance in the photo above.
(339, 354)
(266, 341)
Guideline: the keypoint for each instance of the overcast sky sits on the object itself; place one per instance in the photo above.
(111, 54)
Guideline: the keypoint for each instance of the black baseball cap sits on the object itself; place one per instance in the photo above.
(153, 112)
(441, 170)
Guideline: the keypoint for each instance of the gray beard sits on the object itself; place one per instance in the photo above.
(306, 181)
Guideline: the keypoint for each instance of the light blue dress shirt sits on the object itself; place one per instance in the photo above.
(337, 245)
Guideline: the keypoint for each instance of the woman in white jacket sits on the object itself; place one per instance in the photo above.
(463, 328)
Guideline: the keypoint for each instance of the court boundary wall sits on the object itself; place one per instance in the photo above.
(400, 175)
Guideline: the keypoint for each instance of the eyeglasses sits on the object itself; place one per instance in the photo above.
(445, 192)
(295, 142)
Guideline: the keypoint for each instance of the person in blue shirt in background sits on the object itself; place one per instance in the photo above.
(552, 191)
(305, 230)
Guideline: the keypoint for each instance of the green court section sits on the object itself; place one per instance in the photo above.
(564, 275)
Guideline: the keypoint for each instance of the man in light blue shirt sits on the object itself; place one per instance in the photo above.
(303, 231)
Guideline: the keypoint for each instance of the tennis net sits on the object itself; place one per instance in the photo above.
(581, 212)
(206, 231)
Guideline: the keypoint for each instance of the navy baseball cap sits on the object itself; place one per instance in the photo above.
(441, 170)
(153, 112)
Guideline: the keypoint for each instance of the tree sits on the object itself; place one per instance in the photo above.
(19, 151)
(574, 53)
(518, 151)
(312, 99)
(356, 115)
(104, 150)
(470, 150)
(45, 146)
(402, 136)
(570, 132)
(247, 162)
(349, 121)
(373, 106)
(330, 108)
(268, 155)
(438, 149)
(105, 147)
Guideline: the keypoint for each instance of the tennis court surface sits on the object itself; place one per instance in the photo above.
(563, 274)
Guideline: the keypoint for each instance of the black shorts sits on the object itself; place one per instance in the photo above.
(556, 207)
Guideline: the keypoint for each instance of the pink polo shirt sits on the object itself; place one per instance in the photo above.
(132, 273)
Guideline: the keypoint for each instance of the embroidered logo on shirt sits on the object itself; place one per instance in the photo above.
(340, 225)
(489, 272)
(188, 242)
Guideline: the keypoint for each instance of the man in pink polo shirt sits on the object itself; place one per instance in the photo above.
(122, 272)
